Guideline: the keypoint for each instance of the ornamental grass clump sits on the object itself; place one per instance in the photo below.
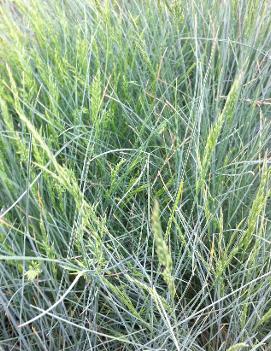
(135, 175)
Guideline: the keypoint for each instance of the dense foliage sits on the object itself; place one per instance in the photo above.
(135, 175)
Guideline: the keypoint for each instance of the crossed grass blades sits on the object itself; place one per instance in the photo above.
(135, 175)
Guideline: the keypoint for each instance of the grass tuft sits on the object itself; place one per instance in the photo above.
(135, 175)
